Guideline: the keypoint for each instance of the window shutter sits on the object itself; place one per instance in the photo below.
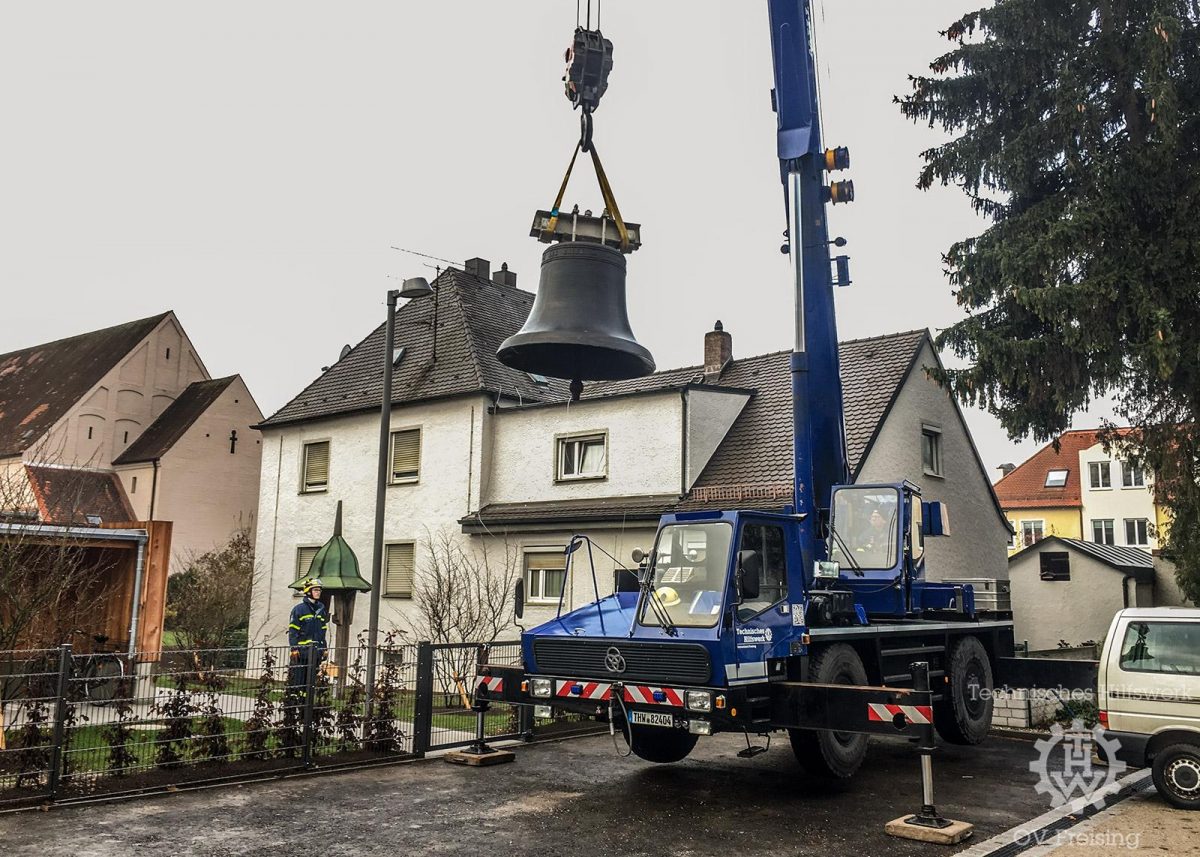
(406, 454)
(316, 465)
(398, 573)
(304, 558)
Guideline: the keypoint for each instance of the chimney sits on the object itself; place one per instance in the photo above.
(481, 268)
(718, 349)
(1006, 469)
(505, 277)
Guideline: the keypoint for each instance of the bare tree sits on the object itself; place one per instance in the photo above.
(462, 596)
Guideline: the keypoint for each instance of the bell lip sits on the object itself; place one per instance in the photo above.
(526, 352)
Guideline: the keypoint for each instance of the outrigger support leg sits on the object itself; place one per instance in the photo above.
(928, 825)
(479, 753)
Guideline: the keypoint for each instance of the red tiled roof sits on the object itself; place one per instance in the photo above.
(67, 495)
(1025, 487)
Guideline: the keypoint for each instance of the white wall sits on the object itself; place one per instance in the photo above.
(1115, 503)
(978, 544)
(710, 415)
(451, 437)
(644, 448)
(1075, 610)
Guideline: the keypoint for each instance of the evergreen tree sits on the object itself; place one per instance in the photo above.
(1076, 132)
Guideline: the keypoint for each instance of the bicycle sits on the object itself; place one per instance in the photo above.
(100, 674)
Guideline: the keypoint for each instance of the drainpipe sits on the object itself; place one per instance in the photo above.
(153, 488)
(1125, 588)
(137, 594)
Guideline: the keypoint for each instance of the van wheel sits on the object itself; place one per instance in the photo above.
(822, 752)
(964, 714)
(1176, 774)
(655, 744)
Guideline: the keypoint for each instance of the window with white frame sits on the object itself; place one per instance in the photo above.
(931, 450)
(545, 575)
(1102, 531)
(582, 457)
(1100, 474)
(1056, 478)
(1137, 531)
(406, 455)
(315, 475)
(1031, 532)
(398, 570)
(1132, 476)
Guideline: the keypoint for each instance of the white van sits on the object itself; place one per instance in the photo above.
(1148, 693)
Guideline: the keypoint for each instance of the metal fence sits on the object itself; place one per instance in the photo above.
(76, 725)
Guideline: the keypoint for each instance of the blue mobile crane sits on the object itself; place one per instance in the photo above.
(816, 619)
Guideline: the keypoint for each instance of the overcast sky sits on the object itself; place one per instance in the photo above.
(249, 165)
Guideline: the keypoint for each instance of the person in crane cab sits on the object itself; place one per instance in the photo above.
(306, 634)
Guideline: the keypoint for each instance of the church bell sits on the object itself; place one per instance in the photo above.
(579, 326)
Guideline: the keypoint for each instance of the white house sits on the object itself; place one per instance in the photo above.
(501, 463)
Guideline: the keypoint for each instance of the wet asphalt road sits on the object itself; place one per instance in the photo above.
(573, 797)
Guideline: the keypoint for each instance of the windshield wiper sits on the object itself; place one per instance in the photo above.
(650, 595)
(845, 550)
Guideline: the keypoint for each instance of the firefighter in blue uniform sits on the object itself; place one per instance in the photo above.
(306, 634)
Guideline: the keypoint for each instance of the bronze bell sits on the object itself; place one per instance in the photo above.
(579, 327)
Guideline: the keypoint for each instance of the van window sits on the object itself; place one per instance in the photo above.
(1162, 647)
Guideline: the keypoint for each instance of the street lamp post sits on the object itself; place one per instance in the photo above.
(412, 288)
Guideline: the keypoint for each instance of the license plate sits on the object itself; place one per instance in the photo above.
(647, 718)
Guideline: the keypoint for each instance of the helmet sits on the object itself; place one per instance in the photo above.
(666, 596)
(311, 584)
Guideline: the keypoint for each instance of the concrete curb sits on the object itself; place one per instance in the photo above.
(1024, 838)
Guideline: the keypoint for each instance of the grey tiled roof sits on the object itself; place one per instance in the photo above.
(754, 461)
(474, 316)
(38, 385)
(1123, 558)
(171, 424)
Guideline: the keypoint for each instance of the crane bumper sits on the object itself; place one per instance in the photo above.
(755, 708)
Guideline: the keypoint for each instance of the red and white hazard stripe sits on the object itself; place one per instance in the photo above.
(915, 714)
(491, 683)
(587, 689)
(645, 694)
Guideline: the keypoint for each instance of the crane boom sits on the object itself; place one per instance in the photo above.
(819, 443)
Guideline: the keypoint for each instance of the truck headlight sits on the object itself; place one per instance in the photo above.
(699, 727)
(699, 700)
(541, 687)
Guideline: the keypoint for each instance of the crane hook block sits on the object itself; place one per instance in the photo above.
(589, 60)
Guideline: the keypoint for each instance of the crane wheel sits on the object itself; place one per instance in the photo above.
(822, 752)
(964, 714)
(655, 744)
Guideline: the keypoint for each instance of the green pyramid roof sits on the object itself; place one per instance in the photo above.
(335, 563)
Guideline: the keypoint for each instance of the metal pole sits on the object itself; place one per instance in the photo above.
(310, 686)
(385, 430)
(60, 718)
(928, 816)
(139, 571)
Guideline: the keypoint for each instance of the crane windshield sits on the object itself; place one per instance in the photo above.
(688, 575)
(864, 532)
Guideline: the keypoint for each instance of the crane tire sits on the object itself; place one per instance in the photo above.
(964, 714)
(655, 744)
(822, 752)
